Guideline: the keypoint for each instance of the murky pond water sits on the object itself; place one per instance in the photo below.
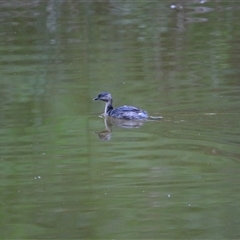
(68, 173)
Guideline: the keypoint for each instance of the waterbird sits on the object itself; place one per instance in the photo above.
(123, 112)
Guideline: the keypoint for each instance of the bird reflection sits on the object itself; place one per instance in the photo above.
(106, 134)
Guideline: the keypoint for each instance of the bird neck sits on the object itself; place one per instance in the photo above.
(108, 107)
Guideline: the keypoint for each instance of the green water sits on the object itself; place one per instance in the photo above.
(67, 174)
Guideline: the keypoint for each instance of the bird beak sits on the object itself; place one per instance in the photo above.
(96, 98)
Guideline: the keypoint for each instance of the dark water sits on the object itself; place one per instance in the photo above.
(65, 173)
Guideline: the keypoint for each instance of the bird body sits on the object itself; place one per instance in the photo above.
(123, 112)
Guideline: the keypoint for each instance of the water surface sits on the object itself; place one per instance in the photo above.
(65, 173)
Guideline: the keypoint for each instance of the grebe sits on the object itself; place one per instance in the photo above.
(124, 112)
